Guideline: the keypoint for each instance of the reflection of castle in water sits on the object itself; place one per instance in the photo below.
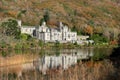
(63, 60)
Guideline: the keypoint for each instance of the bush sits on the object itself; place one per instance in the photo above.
(3, 44)
(25, 46)
(4, 53)
(41, 43)
(18, 46)
(99, 38)
(25, 37)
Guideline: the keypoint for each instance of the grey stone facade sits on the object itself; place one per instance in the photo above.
(61, 33)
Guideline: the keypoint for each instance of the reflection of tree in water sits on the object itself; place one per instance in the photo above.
(115, 58)
(116, 53)
(4, 53)
(57, 52)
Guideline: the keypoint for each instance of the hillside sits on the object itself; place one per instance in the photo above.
(73, 12)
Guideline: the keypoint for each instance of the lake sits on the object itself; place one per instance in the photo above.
(18, 63)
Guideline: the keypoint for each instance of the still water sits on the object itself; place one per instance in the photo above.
(19, 61)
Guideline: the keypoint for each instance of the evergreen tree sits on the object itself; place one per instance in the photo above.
(10, 28)
(46, 16)
(41, 21)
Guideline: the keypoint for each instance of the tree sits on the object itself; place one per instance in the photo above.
(10, 28)
(20, 13)
(41, 21)
(73, 28)
(88, 30)
(46, 16)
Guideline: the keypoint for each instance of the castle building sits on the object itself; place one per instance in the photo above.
(61, 34)
(26, 29)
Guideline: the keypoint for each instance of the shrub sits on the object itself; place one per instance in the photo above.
(25, 37)
(41, 43)
(3, 44)
(25, 46)
(18, 46)
(4, 53)
(98, 39)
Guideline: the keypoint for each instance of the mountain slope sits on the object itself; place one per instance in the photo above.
(103, 13)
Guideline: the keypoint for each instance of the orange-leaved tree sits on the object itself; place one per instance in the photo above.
(88, 30)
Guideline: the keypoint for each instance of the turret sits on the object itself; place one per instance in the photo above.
(19, 23)
(61, 24)
(44, 23)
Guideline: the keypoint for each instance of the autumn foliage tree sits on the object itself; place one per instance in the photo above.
(88, 30)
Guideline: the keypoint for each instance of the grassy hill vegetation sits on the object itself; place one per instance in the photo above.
(98, 18)
(74, 12)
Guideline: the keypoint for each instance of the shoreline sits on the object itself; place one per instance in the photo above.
(61, 47)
